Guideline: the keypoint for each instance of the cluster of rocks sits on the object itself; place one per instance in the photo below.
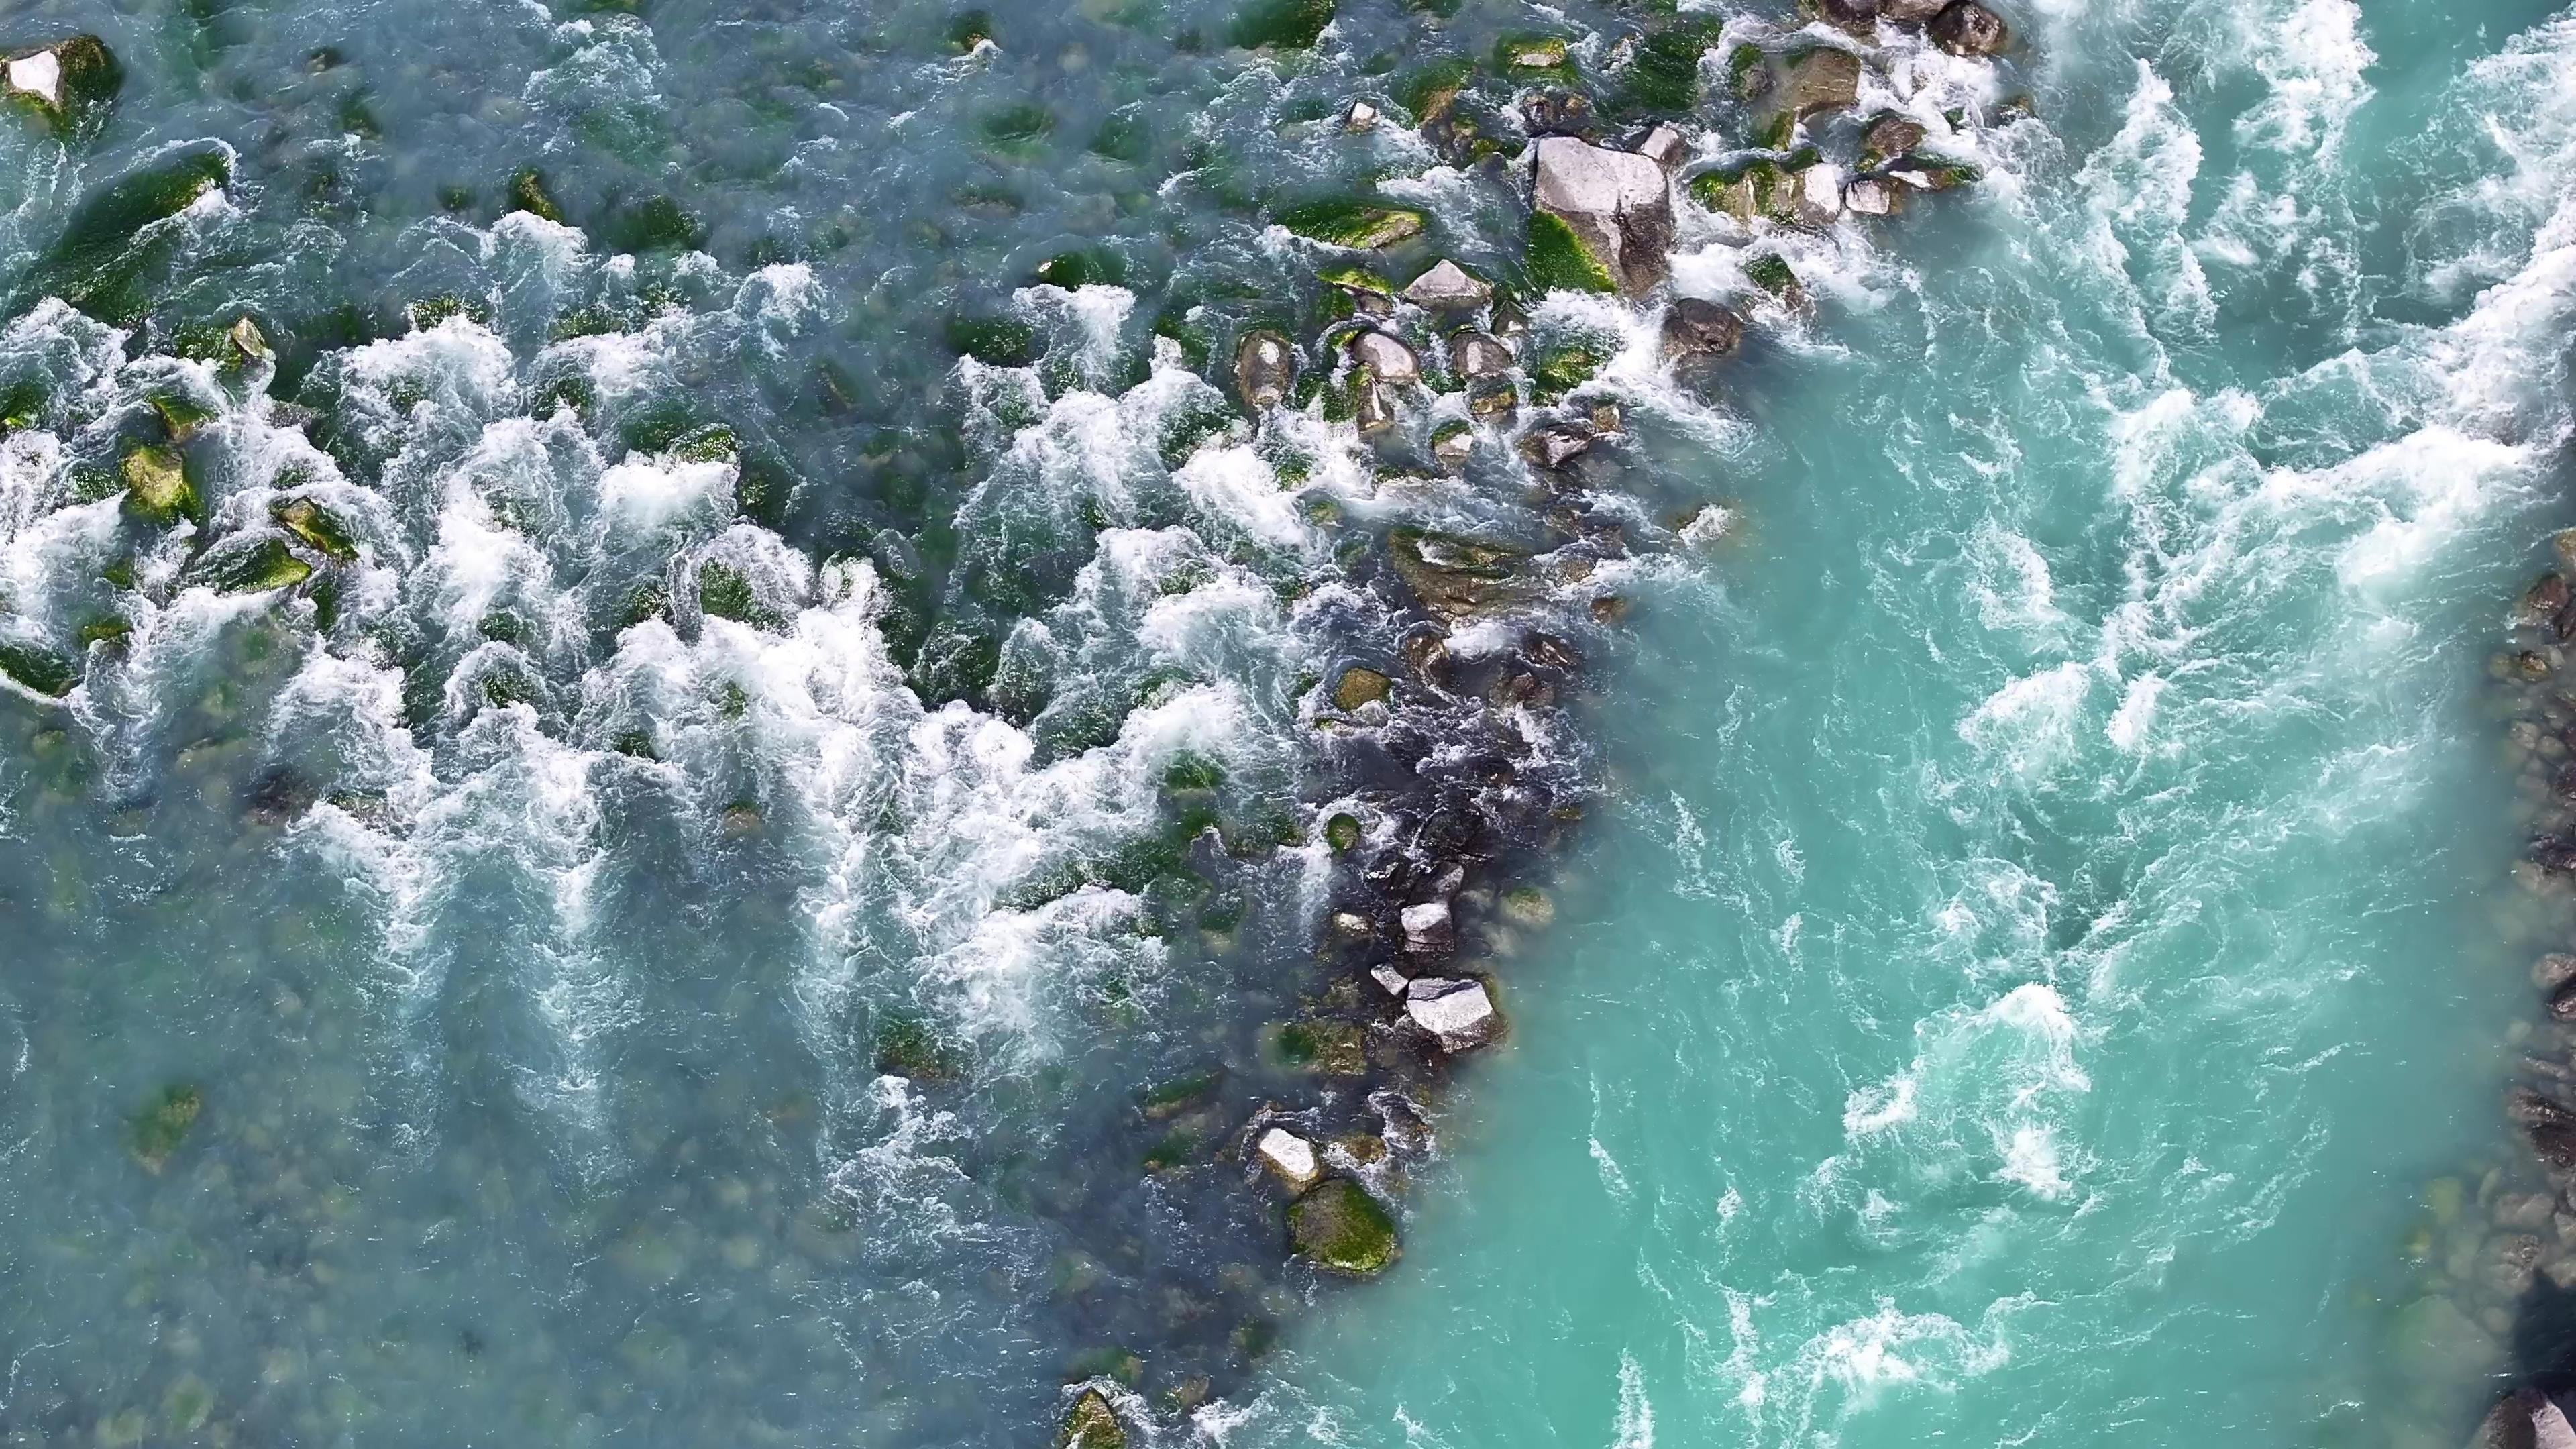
(1441, 374)
(2508, 1258)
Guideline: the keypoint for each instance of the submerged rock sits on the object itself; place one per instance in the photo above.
(1454, 576)
(1289, 1157)
(1697, 327)
(1456, 1012)
(1965, 27)
(1448, 285)
(1265, 368)
(1616, 204)
(318, 528)
(1339, 1227)
(160, 1128)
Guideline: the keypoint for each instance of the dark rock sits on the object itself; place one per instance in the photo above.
(2562, 1003)
(1696, 327)
(1965, 27)
(2545, 598)
(1553, 445)
(2553, 971)
(1888, 135)
(1909, 12)
(1860, 17)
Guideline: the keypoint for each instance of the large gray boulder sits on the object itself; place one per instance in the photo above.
(1618, 204)
(1447, 285)
(1387, 357)
(1454, 1011)
(1478, 355)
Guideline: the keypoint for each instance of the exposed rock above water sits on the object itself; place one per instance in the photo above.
(1616, 204)
(1341, 1228)
(1968, 28)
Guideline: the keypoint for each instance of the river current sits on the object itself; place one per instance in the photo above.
(726, 805)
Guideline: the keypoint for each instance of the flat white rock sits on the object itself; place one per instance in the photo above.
(1447, 284)
(1290, 1156)
(39, 75)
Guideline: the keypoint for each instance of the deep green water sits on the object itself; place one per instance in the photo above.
(2041, 930)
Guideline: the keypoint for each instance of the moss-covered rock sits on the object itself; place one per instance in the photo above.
(157, 489)
(69, 88)
(1342, 833)
(528, 193)
(1771, 272)
(1360, 688)
(1351, 222)
(1092, 1424)
(113, 244)
(1280, 24)
(907, 1045)
(1558, 261)
(267, 564)
(161, 1127)
(317, 527)
(37, 667)
(1339, 1227)
(1565, 366)
(1663, 72)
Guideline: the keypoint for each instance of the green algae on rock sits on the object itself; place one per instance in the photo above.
(1092, 1424)
(1359, 688)
(1340, 1227)
(1280, 24)
(317, 527)
(157, 488)
(38, 668)
(1358, 225)
(1558, 261)
(265, 565)
(116, 239)
(70, 87)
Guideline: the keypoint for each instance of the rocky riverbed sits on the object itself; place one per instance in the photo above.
(1407, 428)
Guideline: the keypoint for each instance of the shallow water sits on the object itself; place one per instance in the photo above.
(682, 943)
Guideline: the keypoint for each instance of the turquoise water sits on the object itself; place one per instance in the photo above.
(693, 937)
